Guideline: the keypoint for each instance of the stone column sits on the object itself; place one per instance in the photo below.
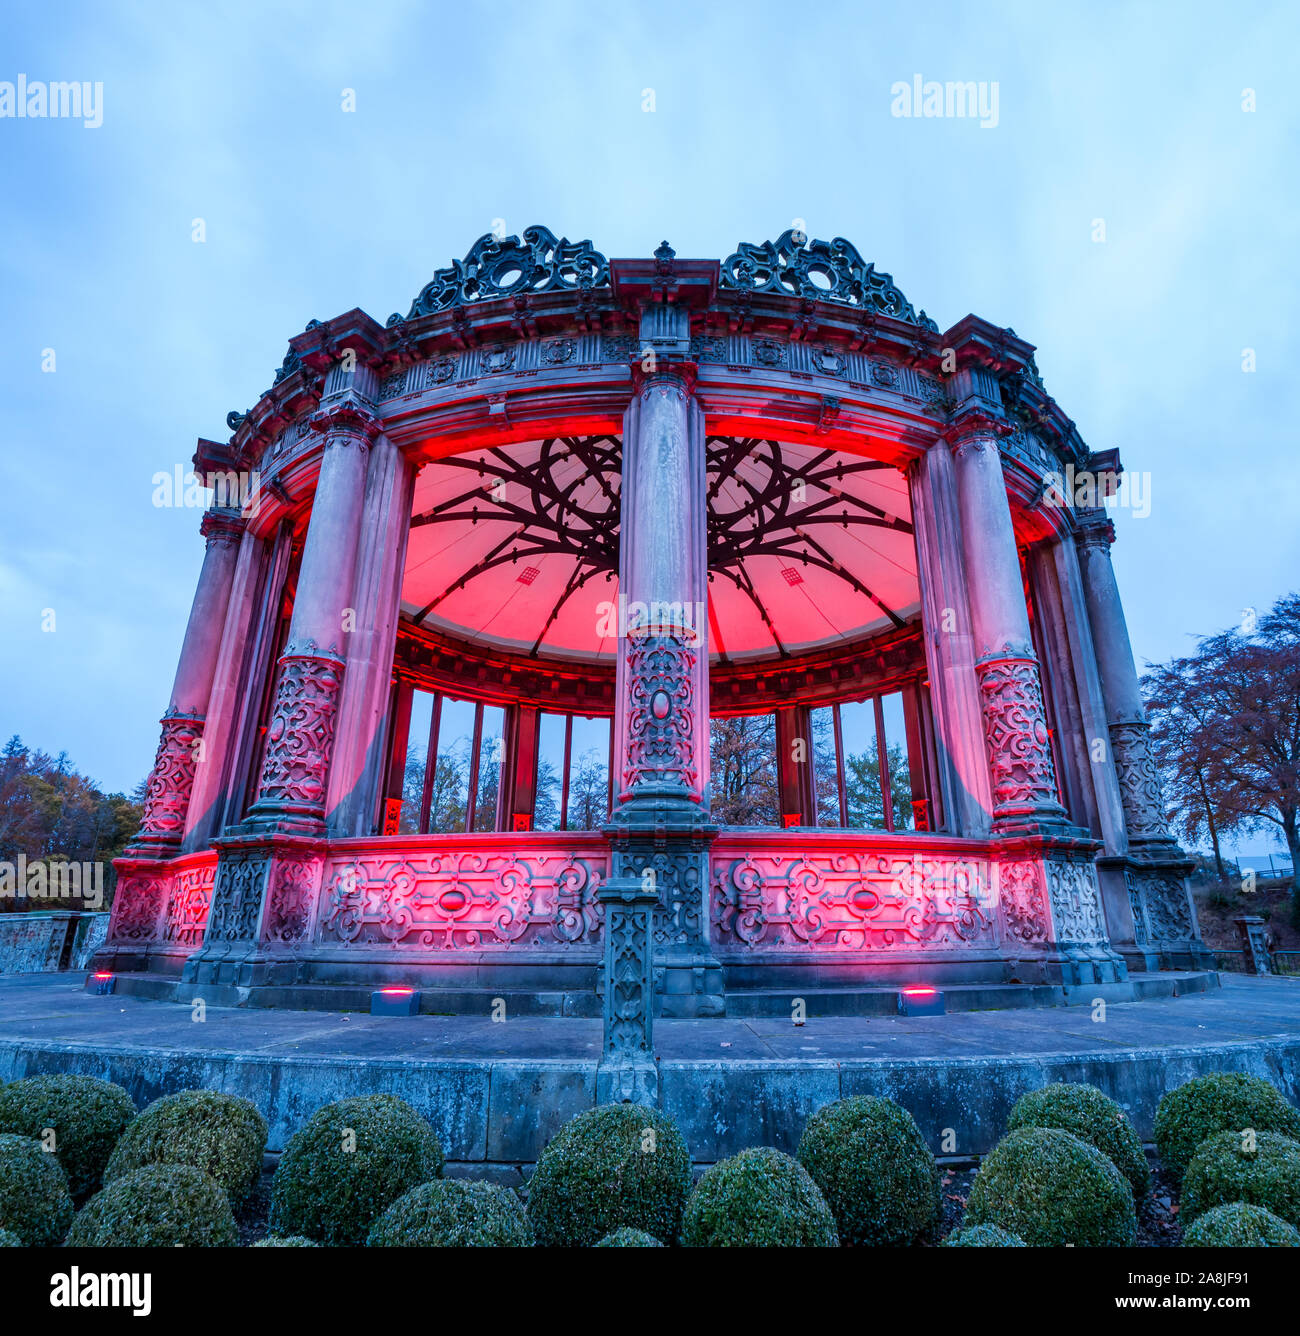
(300, 738)
(359, 761)
(213, 774)
(1163, 913)
(171, 782)
(967, 801)
(268, 875)
(1006, 667)
(660, 822)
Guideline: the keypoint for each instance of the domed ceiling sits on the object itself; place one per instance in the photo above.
(516, 547)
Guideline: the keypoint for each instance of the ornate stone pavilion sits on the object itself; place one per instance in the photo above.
(651, 493)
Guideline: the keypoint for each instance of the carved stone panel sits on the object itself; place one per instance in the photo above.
(301, 733)
(171, 781)
(843, 900)
(464, 899)
(1139, 782)
(1015, 735)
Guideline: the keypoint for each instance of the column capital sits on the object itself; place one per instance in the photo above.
(975, 429)
(1094, 530)
(673, 374)
(349, 421)
(222, 526)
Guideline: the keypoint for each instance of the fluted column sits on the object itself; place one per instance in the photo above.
(300, 737)
(1160, 899)
(1011, 695)
(949, 646)
(358, 764)
(659, 829)
(181, 747)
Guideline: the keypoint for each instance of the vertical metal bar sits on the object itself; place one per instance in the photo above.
(430, 763)
(839, 767)
(882, 760)
(471, 800)
(564, 789)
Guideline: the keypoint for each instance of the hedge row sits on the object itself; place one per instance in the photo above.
(367, 1170)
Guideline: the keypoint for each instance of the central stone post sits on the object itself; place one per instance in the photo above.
(660, 831)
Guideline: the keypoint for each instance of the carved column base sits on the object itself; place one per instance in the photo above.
(263, 911)
(299, 740)
(668, 844)
(1164, 917)
(167, 794)
(1020, 755)
(1049, 908)
(627, 1073)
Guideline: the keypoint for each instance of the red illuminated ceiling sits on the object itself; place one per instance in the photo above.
(517, 547)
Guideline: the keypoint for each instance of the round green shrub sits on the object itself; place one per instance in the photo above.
(348, 1165)
(9, 1240)
(1219, 1102)
(620, 1164)
(1239, 1225)
(871, 1163)
(1222, 1171)
(222, 1135)
(87, 1116)
(1051, 1189)
(628, 1238)
(159, 1206)
(1092, 1117)
(286, 1241)
(758, 1199)
(453, 1213)
(34, 1199)
(983, 1236)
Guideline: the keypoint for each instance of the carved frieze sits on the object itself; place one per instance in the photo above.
(1161, 904)
(1076, 902)
(844, 900)
(188, 904)
(237, 898)
(464, 899)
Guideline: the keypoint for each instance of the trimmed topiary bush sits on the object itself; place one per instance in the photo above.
(1239, 1225)
(1224, 1171)
(760, 1198)
(1219, 1102)
(222, 1135)
(983, 1236)
(620, 1164)
(159, 1206)
(34, 1200)
(453, 1213)
(87, 1116)
(871, 1163)
(286, 1241)
(628, 1238)
(1052, 1189)
(8, 1240)
(348, 1165)
(1092, 1117)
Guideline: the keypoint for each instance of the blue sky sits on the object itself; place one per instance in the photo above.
(764, 113)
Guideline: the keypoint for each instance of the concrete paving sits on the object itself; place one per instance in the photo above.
(497, 1091)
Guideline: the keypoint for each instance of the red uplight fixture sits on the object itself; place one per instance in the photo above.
(101, 983)
(396, 1000)
(920, 1001)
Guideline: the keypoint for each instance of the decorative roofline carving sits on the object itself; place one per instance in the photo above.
(505, 267)
(791, 265)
